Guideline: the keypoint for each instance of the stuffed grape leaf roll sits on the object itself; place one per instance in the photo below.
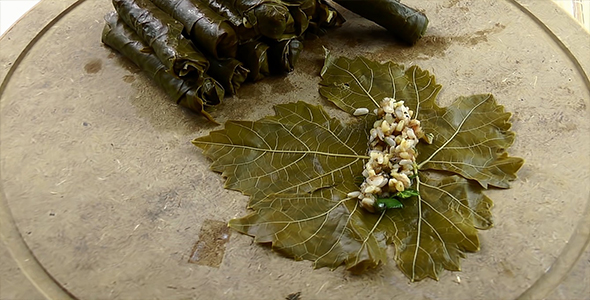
(404, 22)
(254, 55)
(269, 18)
(163, 34)
(230, 72)
(192, 92)
(245, 32)
(208, 30)
(283, 55)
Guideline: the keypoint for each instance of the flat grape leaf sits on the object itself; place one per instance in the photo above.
(470, 139)
(360, 82)
(470, 136)
(297, 151)
(323, 226)
(299, 165)
(330, 229)
(433, 232)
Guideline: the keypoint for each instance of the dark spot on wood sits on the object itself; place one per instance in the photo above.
(353, 42)
(93, 66)
(210, 248)
(129, 78)
(311, 65)
(294, 296)
(581, 106)
(434, 45)
(280, 85)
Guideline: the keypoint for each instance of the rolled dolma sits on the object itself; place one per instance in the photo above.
(326, 15)
(254, 55)
(268, 17)
(294, 2)
(226, 10)
(300, 21)
(306, 6)
(163, 34)
(191, 92)
(283, 55)
(207, 29)
(230, 72)
(405, 23)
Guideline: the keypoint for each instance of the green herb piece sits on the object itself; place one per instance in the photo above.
(394, 201)
(407, 193)
(383, 203)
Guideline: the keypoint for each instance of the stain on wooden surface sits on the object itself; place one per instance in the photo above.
(210, 248)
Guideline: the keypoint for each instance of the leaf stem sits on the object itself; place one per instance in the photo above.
(369, 234)
(419, 230)
(358, 82)
(282, 151)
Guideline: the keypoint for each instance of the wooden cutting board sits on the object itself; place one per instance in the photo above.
(103, 194)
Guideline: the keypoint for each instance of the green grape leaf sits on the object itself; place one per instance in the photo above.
(469, 137)
(323, 226)
(360, 82)
(299, 166)
(434, 232)
(297, 151)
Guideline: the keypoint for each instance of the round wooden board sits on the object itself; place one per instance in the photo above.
(103, 194)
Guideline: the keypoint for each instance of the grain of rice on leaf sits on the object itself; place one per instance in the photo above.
(471, 136)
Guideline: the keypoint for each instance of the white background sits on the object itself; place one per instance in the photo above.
(12, 10)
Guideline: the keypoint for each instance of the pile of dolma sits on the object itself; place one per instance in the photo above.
(405, 23)
(198, 51)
